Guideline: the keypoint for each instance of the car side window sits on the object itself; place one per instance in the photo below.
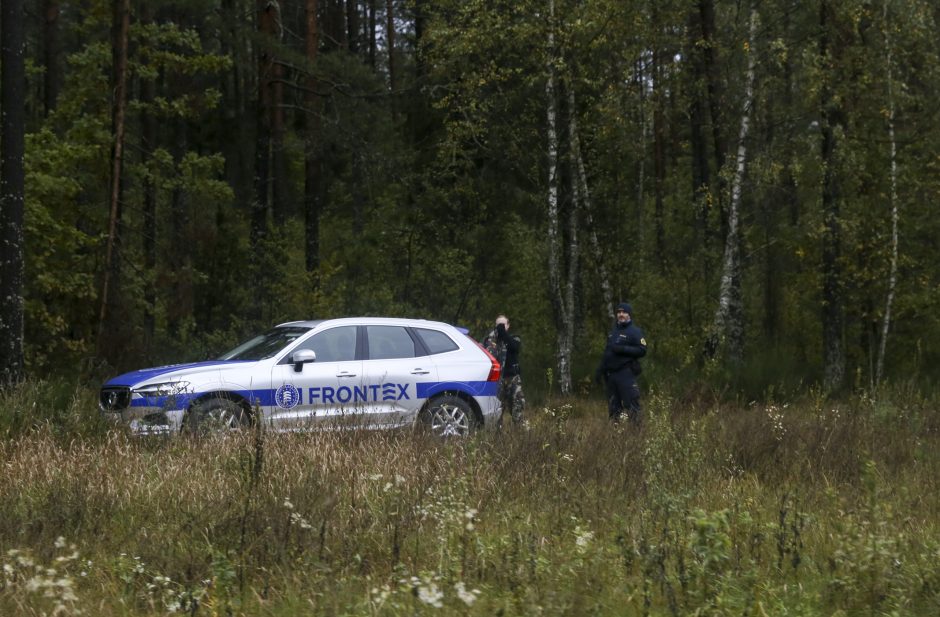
(386, 342)
(436, 341)
(333, 345)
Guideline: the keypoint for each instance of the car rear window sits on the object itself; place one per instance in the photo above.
(436, 341)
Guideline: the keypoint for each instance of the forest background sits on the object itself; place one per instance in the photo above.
(758, 179)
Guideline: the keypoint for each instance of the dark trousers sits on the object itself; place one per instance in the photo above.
(623, 394)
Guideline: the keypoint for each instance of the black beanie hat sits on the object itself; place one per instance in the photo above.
(623, 306)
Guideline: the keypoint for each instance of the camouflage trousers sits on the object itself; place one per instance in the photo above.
(511, 397)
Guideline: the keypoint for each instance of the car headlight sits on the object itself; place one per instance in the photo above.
(169, 388)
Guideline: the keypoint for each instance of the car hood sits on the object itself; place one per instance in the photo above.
(174, 371)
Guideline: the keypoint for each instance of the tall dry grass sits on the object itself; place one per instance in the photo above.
(805, 507)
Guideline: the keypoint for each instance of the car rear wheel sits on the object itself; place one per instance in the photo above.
(215, 415)
(449, 416)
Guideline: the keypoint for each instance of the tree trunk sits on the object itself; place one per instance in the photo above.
(554, 226)
(566, 332)
(312, 166)
(893, 145)
(352, 26)
(641, 164)
(12, 179)
(701, 181)
(261, 205)
(832, 117)
(372, 29)
(580, 180)
(182, 240)
(659, 158)
(715, 94)
(120, 29)
(727, 327)
(52, 77)
(149, 134)
(390, 42)
(280, 198)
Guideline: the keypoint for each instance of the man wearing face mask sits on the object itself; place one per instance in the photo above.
(620, 366)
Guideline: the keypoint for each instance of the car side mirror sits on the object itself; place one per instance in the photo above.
(301, 357)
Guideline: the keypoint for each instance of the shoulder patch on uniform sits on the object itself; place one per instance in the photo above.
(643, 342)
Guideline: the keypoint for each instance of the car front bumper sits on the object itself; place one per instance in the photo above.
(148, 420)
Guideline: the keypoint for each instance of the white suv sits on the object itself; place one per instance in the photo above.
(367, 372)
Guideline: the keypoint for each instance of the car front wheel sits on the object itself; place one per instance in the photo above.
(215, 415)
(449, 416)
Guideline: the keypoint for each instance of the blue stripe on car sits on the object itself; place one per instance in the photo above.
(474, 388)
(266, 397)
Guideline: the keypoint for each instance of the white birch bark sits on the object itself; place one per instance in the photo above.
(566, 333)
(554, 227)
(893, 270)
(727, 328)
(583, 197)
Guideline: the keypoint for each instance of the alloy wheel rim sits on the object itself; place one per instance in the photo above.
(449, 421)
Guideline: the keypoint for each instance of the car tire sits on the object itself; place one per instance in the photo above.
(215, 415)
(449, 416)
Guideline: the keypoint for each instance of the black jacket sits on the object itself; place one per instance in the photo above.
(505, 348)
(625, 346)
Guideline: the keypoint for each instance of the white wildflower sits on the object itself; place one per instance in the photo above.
(381, 595)
(471, 516)
(431, 595)
(35, 584)
(467, 597)
(583, 538)
(297, 519)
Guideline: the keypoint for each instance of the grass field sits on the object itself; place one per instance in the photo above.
(811, 507)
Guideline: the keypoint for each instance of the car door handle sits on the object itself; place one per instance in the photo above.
(345, 374)
(419, 371)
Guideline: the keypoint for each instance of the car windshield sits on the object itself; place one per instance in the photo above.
(266, 345)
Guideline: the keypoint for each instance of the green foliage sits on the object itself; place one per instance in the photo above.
(50, 407)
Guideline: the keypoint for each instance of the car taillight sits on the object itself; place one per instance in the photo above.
(495, 369)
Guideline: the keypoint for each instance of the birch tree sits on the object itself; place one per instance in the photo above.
(893, 198)
(563, 353)
(727, 327)
(583, 196)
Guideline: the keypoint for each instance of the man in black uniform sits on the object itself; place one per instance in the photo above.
(505, 348)
(620, 365)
